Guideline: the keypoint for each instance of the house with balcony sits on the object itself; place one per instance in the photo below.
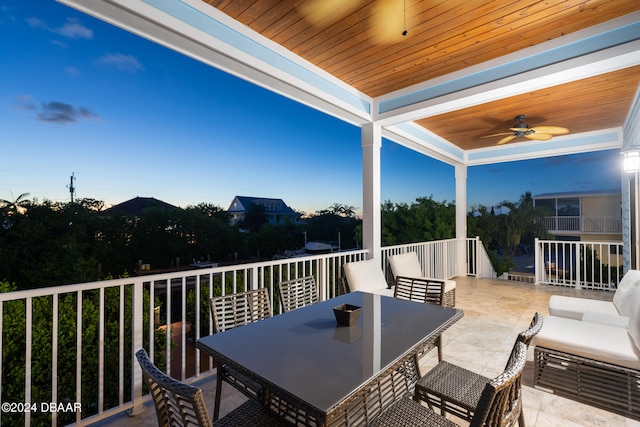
(458, 73)
(591, 219)
(582, 215)
(276, 210)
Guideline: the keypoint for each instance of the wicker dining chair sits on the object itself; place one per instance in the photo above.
(421, 290)
(407, 265)
(231, 311)
(457, 390)
(298, 293)
(499, 405)
(180, 404)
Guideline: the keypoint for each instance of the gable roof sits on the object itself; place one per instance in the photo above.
(272, 206)
(136, 205)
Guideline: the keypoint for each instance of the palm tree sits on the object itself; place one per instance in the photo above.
(520, 220)
(17, 206)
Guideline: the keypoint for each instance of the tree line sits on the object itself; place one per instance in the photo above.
(50, 243)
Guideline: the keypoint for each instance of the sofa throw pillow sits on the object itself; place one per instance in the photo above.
(622, 297)
(634, 318)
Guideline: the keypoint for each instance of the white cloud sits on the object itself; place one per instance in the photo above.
(122, 62)
(71, 29)
(74, 30)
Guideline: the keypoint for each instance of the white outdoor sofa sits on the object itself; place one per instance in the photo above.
(597, 363)
(614, 313)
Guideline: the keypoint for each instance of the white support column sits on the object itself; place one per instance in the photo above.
(371, 220)
(461, 219)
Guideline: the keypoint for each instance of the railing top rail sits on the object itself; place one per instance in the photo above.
(404, 245)
(581, 242)
(65, 289)
(150, 278)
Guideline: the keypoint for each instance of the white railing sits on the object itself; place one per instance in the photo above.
(586, 265)
(437, 258)
(75, 344)
(586, 224)
(478, 261)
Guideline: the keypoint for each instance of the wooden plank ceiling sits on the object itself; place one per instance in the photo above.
(363, 45)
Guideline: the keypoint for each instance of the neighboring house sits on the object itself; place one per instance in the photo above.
(138, 204)
(276, 210)
(583, 216)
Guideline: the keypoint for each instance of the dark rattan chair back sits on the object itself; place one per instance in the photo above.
(419, 290)
(527, 335)
(230, 311)
(298, 293)
(176, 403)
(500, 404)
(536, 324)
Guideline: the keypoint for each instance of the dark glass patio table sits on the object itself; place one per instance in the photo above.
(313, 368)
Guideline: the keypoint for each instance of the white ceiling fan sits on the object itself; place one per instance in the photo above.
(521, 129)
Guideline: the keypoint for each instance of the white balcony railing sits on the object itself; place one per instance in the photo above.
(586, 265)
(75, 344)
(583, 224)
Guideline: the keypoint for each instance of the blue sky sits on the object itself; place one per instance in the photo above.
(131, 118)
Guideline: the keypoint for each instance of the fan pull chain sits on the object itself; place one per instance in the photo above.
(405, 32)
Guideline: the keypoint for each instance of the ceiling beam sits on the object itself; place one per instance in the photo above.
(604, 61)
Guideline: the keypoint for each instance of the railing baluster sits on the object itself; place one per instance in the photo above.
(121, 340)
(197, 320)
(78, 351)
(28, 324)
(168, 337)
(183, 328)
(137, 330)
(101, 352)
(54, 355)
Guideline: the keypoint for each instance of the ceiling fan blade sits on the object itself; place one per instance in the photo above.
(326, 12)
(554, 130)
(497, 134)
(506, 139)
(388, 21)
(539, 136)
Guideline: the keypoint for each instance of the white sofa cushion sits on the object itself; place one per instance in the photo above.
(605, 319)
(634, 318)
(605, 343)
(408, 265)
(367, 276)
(624, 292)
(574, 308)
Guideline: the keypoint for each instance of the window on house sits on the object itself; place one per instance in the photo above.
(568, 206)
(549, 206)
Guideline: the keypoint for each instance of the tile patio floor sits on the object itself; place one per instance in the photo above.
(495, 312)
